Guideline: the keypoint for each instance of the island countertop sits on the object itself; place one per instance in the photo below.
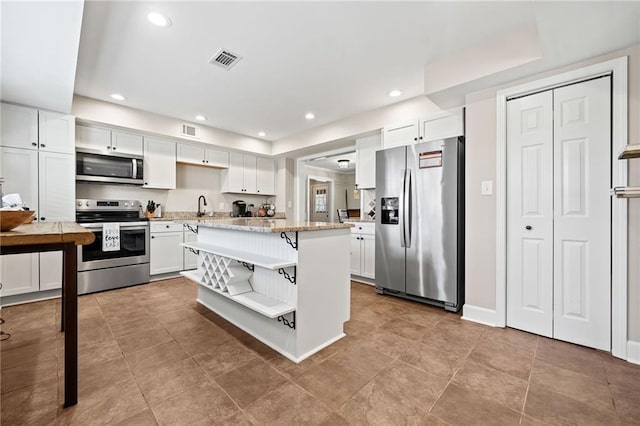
(266, 225)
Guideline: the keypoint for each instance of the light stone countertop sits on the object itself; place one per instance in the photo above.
(182, 216)
(255, 224)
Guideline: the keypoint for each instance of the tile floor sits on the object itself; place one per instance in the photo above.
(150, 355)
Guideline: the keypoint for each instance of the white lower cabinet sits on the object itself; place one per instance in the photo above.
(363, 250)
(50, 270)
(166, 252)
(19, 273)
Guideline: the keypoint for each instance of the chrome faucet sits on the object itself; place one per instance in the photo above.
(200, 212)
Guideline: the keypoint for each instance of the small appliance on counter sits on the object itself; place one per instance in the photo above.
(239, 209)
(266, 210)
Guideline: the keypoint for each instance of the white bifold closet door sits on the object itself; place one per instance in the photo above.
(559, 213)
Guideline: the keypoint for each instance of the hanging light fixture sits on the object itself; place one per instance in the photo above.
(343, 164)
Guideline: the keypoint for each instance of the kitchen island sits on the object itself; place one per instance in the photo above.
(284, 282)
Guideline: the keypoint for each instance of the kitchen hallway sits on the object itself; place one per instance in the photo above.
(151, 355)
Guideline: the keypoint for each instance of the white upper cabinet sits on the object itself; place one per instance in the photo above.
(248, 174)
(57, 187)
(202, 156)
(266, 176)
(366, 149)
(28, 128)
(440, 126)
(95, 138)
(19, 127)
(56, 132)
(400, 134)
(126, 143)
(159, 163)
(20, 172)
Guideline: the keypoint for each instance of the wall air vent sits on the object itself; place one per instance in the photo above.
(190, 131)
(225, 59)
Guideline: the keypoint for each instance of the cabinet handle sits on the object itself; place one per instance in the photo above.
(43, 218)
(167, 226)
(34, 144)
(420, 138)
(42, 145)
(153, 237)
(203, 161)
(528, 227)
(207, 161)
(257, 190)
(415, 139)
(113, 148)
(146, 183)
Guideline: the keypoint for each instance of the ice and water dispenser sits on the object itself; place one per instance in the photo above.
(389, 209)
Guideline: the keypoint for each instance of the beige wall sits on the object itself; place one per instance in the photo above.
(481, 210)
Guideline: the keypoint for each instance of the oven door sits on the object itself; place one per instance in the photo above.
(111, 168)
(134, 247)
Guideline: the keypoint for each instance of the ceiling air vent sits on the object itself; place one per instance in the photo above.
(225, 59)
(190, 131)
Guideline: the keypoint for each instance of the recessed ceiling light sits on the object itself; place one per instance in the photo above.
(157, 18)
(309, 116)
(201, 118)
(395, 93)
(118, 97)
(262, 134)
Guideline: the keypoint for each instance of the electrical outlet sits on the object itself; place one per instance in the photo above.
(487, 187)
(221, 206)
(289, 204)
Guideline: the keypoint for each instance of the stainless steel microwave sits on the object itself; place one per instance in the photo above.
(96, 166)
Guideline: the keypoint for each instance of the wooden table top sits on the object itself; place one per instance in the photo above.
(47, 233)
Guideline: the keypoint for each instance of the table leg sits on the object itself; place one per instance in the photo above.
(62, 297)
(70, 321)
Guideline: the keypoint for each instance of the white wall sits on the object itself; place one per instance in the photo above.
(481, 211)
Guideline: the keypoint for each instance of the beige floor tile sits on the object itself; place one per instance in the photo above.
(416, 386)
(151, 358)
(331, 383)
(182, 314)
(405, 329)
(492, 384)
(623, 374)
(454, 336)
(36, 404)
(361, 360)
(251, 381)
(375, 405)
(387, 343)
(627, 402)
(290, 368)
(510, 336)
(387, 308)
(205, 341)
(424, 316)
(288, 405)
(571, 357)
(93, 376)
(460, 406)
(205, 404)
(575, 385)
(431, 420)
(28, 374)
(557, 409)
(163, 382)
(140, 325)
(505, 358)
(143, 418)
(142, 339)
(30, 354)
(21, 337)
(358, 329)
(334, 419)
(430, 359)
(95, 353)
(224, 357)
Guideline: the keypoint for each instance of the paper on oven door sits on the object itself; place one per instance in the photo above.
(110, 237)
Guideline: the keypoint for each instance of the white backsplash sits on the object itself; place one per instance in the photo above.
(191, 182)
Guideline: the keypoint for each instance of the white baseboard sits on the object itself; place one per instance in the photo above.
(480, 315)
(633, 352)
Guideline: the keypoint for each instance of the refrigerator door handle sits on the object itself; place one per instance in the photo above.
(403, 222)
(406, 213)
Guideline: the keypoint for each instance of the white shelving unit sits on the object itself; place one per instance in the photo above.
(262, 261)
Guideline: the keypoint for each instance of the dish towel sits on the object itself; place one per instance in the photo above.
(110, 236)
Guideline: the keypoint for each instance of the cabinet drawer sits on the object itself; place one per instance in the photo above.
(363, 228)
(165, 226)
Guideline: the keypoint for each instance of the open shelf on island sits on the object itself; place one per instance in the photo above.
(258, 302)
(262, 261)
(630, 151)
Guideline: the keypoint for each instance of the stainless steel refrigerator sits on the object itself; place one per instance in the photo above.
(420, 222)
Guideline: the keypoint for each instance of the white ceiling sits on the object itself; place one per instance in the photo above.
(331, 162)
(336, 59)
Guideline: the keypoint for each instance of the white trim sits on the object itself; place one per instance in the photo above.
(619, 176)
(478, 314)
(633, 352)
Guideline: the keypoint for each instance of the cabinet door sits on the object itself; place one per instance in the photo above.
(159, 164)
(20, 172)
(19, 274)
(355, 254)
(57, 132)
(57, 189)
(166, 252)
(94, 138)
(232, 179)
(443, 126)
(265, 176)
(19, 127)
(215, 158)
(399, 135)
(190, 154)
(366, 161)
(368, 255)
(190, 259)
(50, 270)
(126, 143)
(250, 174)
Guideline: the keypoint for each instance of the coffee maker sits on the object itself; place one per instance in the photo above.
(239, 208)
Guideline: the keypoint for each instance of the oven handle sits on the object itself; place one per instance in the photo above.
(128, 225)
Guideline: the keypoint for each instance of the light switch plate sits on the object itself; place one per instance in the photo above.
(487, 187)
(221, 206)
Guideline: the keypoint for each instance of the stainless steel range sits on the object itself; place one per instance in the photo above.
(100, 269)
